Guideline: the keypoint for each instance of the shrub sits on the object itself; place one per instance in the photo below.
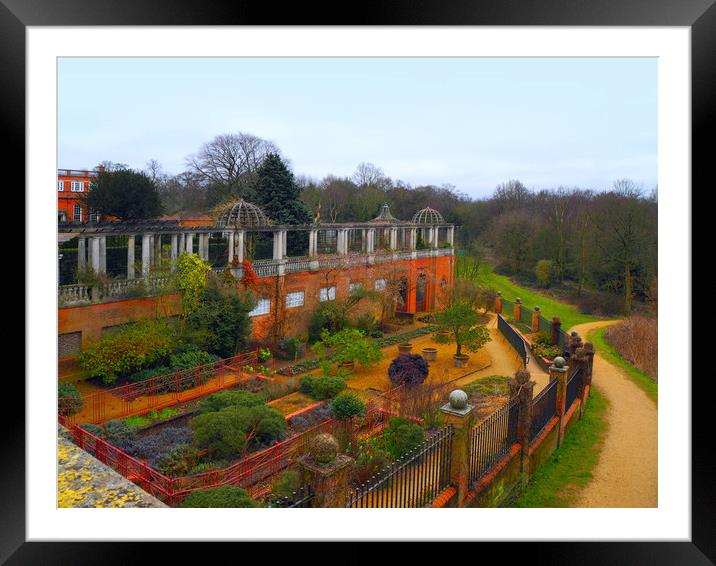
(401, 436)
(366, 323)
(311, 417)
(327, 316)
(69, 399)
(546, 351)
(464, 327)
(291, 348)
(146, 374)
(93, 429)
(286, 484)
(179, 461)
(543, 272)
(129, 350)
(264, 354)
(370, 460)
(347, 405)
(324, 387)
(221, 496)
(119, 430)
(222, 433)
(636, 339)
(227, 398)
(542, 338)
(190, 359)
(153, 448)
(349, 345)
(408, 369)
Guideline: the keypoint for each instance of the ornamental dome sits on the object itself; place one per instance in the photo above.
(428, 216)
(385, 215)
(240, 214)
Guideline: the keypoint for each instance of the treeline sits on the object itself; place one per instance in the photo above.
(566, 237)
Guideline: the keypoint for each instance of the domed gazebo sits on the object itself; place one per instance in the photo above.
(240, 214)
(428, 216)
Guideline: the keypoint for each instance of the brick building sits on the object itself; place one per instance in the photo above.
(72, 187)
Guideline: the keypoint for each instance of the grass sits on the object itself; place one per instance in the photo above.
(640, 379)
(490, 385)
(558, 480)
(139, 421)
(569, 314)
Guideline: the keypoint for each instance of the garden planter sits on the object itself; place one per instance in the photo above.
(460, 361)
(444, 334)
(430, 354)
(349, 365)
(405, 348)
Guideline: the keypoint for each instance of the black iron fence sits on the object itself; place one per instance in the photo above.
(573, 385)
(492, 439)
(300, 498)
(412, 481)
(515, 340)
(544, 407)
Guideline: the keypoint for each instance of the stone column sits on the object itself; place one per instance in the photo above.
(460, 415)
(146, 257)
(518, 309)
(81, 254)
(130, 257)
(240, 246)
(277, 246)
(340, 241)
(327, 472)
(230, 258)
(370, 241)
(158, 249)
(498, 302)
(556, 327)
(152, 257)
(393, 238)
(175, 248)
(451, 236)
(94, 254)
(535, 319)
(284, 243)
(103, 254)
(312, 236)
(559, 371)
(523, 388)
(182, 245)
(189, 242)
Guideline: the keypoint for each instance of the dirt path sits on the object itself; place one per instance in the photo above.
(627, 471)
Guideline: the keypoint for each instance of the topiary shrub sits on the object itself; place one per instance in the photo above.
(408, 369)
(347, 405)
(222, 433)
(401, 436)
(69, 399)
(221, 496)
(227, 398)
(324, 387)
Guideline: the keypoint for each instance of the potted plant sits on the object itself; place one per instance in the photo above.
(430, 354)
(463, 327)
(405, 347)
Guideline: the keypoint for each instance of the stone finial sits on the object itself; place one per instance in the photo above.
(458, 399)
(499, 293)
(518, 300)
(559, 362)
(324, 448)
(522, 376)
(536, 309)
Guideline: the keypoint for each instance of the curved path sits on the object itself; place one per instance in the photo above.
(627, 471)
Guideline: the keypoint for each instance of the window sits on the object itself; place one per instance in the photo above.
(94, 217)
(77, 186)
(380, 284)
(61, 216)
(262, 307)
(328, 294)
(353, 287)
(60, 186)
(77, 211)
(294, 299)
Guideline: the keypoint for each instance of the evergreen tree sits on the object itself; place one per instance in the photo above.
(278, 194)
(126, 194)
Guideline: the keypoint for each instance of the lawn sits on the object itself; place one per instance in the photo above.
(569, 314)
(558, 480)
(643, 381)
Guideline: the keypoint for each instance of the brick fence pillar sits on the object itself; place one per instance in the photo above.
(518, 310)
(327, 472)
(580, 360)
(460, 415)
(498, 302)
(523, 388)
(556, 327)
(589, 353)
(559, 371)
(575, 342)
(535, 319)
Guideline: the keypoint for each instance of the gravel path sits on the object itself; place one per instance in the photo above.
(626, 474)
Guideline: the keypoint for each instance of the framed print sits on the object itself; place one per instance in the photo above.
(392, 279)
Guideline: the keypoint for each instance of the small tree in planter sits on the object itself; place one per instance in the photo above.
(349, 346)
(345, 406)
(408, 369)
(464, 328)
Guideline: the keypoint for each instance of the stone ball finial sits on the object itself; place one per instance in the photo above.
(536, 309)
(324, 448)
(574, 333)
(518, 300)
(522, 376)
(458, 399)
(559, 362)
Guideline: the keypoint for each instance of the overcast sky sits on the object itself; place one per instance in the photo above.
(469, 122)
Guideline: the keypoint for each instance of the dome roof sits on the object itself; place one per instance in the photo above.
(385, 215)
(428, 216)
(240, 214)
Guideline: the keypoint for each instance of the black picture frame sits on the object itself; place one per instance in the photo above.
(699, 15)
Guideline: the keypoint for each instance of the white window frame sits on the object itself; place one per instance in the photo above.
(77, 186)
(77, 217)
(94, 216)
(327, 294)
(60, 186)
(380, 284)
(354, 286)
(263, 306)
(295, 299)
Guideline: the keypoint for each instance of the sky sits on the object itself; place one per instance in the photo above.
(468, 122)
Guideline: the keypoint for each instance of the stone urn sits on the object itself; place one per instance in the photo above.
(405, 348)
(430, 354)
(348, 364)
(460, 361)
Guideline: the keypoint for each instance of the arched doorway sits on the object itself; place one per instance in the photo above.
(402, 305)
(420, 293)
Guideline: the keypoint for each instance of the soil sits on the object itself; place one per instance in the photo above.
(626, 474)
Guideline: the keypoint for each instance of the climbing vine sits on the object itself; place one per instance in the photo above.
(191, 280)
